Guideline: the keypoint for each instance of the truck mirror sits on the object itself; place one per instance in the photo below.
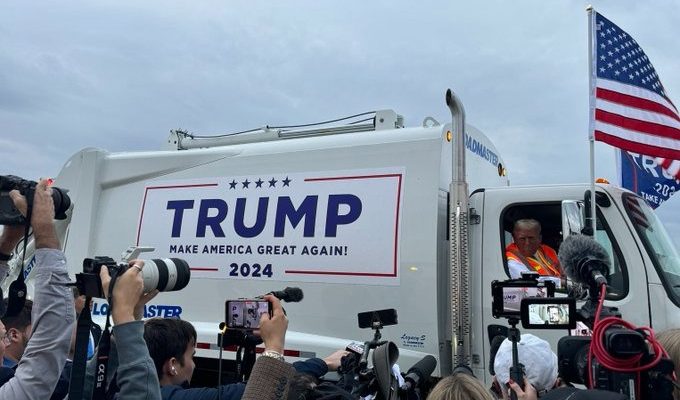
(573, 219)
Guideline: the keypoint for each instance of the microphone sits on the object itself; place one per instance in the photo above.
(584, 260)
(419, 372)
(289, 294)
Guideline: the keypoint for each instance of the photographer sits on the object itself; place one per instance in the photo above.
(135, 374)
(53, 315)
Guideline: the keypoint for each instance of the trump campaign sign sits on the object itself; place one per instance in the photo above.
(337, 226)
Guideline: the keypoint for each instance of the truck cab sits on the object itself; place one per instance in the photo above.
(645, 267)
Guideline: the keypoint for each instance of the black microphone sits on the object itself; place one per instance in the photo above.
(289, 294)
(419, 372)
(584, 260)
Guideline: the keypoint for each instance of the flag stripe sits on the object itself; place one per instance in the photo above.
(642, 115)
(643, 138)
(636, 146)
(671, 166)
(635, 91)
(635, 102)
(637, 125)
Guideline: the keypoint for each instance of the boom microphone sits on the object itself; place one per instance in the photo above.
(584, 260)
(419, 372)
(289, 294)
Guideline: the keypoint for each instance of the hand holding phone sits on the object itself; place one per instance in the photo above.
(244, 314)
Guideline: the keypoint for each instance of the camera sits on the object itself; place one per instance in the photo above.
(245, 314)
(9, 215)
(166, 274)
(507, 295)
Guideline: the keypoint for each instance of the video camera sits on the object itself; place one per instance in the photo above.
(165, 275)
(621, 357)
(379, 379)
(9, 215)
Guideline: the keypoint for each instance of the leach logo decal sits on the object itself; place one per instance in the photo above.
(340, 226)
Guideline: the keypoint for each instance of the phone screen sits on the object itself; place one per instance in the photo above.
(245, 314)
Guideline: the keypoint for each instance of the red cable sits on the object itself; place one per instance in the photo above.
(610, 362)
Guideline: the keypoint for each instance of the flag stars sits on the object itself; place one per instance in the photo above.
(602, 69)
(602, 57)
(617, 73)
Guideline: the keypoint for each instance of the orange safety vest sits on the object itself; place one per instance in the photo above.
(544, 262)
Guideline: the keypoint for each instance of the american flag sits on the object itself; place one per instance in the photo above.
(632, 110)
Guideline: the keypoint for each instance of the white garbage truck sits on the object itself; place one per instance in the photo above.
(365, 216)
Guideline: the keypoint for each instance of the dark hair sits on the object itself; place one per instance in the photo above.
(20, 321)
(167, 338)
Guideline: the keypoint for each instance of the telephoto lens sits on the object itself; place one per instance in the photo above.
(165, 274)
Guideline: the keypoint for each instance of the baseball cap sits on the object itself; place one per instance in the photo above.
(540, 363)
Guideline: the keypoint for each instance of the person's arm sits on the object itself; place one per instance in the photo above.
(53, 312)
(516, 268)
(317, 367)
(271, 374)
(137, 378)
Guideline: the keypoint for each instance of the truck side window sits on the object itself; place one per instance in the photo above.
(618, 276)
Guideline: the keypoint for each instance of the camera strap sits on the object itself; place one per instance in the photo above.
(99, 392)
(78, 370)
(17, 289)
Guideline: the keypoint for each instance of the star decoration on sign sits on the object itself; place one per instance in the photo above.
(245, 183)
(272, 182)
(286, 182)
(232, 184)
(258, 183)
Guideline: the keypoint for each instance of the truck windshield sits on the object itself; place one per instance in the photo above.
(657, 243)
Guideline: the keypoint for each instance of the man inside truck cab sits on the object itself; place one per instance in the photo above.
(528, 253)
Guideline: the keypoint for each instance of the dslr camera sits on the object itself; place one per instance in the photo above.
(9, 215)
(164, 274)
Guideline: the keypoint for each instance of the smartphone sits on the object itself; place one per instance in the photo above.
(549, 313)
(379, 317)
(245, 313)
(508, 295)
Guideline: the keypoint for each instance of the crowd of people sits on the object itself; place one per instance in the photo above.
(153, 359)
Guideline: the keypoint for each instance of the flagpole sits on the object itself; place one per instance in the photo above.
(591, 134)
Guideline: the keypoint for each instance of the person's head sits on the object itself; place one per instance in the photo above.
(4, 340)
(171, 344)
(554, 314)
(19, 330)
(540, 363)
(527, 236)
(670, 340)
(459, 386)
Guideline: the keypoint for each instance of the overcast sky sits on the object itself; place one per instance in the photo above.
(119, 75)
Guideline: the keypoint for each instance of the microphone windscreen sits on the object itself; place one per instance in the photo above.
(293, 294)
(576, 248)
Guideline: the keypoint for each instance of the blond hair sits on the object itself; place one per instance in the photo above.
(459, 387)
(670, 340)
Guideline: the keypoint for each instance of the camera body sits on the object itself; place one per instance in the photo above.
(9, 215)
